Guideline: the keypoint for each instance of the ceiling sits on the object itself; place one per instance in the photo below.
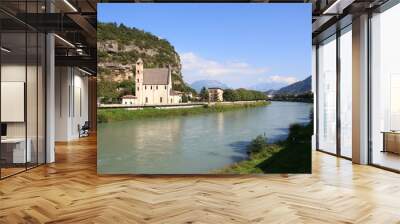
(74, 22)
(331, 15)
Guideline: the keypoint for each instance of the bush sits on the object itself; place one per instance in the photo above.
(185, 99)
(243, 94)
(257, 144)
(101, 118)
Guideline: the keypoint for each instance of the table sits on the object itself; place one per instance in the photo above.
(16, 147)
(391, 141)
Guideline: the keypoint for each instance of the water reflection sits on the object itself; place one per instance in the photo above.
(191, 144)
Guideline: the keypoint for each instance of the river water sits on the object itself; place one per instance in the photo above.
(193, 144)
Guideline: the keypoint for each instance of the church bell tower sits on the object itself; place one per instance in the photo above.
(139, 79)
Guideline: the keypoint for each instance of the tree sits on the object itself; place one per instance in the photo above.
(128, 86)
(185, 98)
(230, 95)
(258, 144)
(204, 94)
(107, 90)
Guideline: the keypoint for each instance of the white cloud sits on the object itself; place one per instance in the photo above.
(192, 63)
(279, 79)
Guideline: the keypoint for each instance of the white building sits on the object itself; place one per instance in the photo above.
(153, 87)
(215, 94)
(129, 99)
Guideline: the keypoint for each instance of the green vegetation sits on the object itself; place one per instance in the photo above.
(132, 44)
(109, 115)
(303, 97)
(107, 90)
(154, 51)
(299, 87)
(290, 156)
(111, 91)
(243, 95)
(204, 94)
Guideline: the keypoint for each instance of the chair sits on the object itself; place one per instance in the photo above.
(84, 130)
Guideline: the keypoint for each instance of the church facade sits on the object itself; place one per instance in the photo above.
(153, 87)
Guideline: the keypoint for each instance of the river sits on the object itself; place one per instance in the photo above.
(193, 144)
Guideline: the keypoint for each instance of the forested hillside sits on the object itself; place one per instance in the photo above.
(118, 48)
(299, 87)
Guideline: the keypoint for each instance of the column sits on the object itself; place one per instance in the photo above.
(360, 90)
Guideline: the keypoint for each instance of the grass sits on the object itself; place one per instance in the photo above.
(109, 115)
(290, 156)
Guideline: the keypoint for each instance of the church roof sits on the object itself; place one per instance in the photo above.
(129, 97)
(156, 76)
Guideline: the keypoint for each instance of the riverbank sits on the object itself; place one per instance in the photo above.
(290, 156)
(300, 100)
(109, 115)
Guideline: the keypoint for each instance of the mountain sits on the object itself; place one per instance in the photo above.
(266, 86)
(198, 85)
(119, 47)
(270, 92)
(299, 87)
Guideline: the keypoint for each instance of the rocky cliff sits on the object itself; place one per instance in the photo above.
(118, 48)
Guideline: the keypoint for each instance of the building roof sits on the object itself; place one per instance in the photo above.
(156, 76)
(215, 88)
(129, 97)
(175, 93)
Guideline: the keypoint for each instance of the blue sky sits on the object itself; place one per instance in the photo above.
(241, 45)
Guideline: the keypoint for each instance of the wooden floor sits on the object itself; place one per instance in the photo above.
(69, 191)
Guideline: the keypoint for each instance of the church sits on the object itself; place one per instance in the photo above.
(153, 87)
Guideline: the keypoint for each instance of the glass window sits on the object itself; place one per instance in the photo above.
(346, 92)
(22, 92)
(327, 95)
(15, 149)
(31, 97)
(41, 120)
(385, 89)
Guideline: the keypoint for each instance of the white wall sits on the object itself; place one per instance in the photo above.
(71, 102)
(153, 94)
(33, 126)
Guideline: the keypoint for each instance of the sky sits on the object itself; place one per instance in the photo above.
(240, 45)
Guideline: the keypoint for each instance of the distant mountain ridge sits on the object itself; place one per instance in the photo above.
(266, 86)
(299, 87)
(198, 85)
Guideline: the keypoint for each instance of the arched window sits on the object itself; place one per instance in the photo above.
(145, 87)
(151, 87)
(160, 99)
(165, 87)
(147, 100)
(156, 87)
